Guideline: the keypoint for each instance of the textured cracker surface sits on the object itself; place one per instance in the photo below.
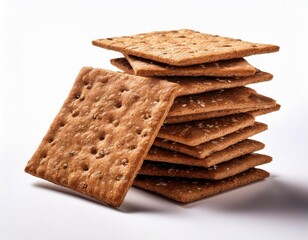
(193, 85)
(226, 68)
(241, 97)
(188, 190)
(162, 155)
(97, 142)
(197, 132)
(183, 47)
(217, 172)
(205, 149)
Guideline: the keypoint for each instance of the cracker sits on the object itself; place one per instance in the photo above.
(217, 172)
(241, 97)
(98, 140)
(254, 111)
(183, 47)
(205, 149)
(195, 85)
(197, 132)
(122, 64)
(227, 68)
(244, 147)
(189, 190)
(264, 111)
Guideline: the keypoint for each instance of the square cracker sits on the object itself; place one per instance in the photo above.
(226, 68)
(183, 47)
(254, 111)
(197, 132)
(188, 190)
(194, 85)
(205, 149)
(241, 97)
(97, 142)
(244, 147)
(217, 172)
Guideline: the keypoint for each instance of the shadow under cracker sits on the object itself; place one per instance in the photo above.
(272, 197)
(127, 206)
(71, 193)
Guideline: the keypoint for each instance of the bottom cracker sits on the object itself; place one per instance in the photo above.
(189, 190)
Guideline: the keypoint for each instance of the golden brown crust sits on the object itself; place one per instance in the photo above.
(97, 142)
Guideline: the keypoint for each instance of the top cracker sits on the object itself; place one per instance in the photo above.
(98, 140)
(183, 47)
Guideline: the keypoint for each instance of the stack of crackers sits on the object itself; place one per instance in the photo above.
(176, 122)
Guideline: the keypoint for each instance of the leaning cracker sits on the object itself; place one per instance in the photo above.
(241, 97)
(254, 111)
(189, 190)
(205, 149)
(217, 172)
(195, 85)
(227, 68)
(183, 47)
(197, 132)
(244, 147)
(98, 140)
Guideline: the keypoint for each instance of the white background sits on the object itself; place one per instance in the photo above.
(43, 46)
